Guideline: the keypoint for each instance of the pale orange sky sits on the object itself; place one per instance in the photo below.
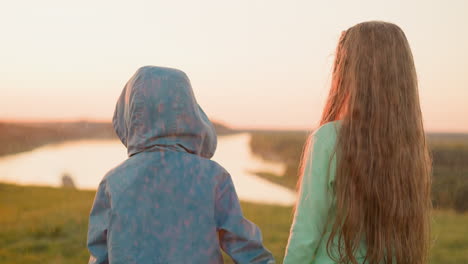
(255, 64)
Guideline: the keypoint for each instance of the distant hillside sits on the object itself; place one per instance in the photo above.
(20, 137)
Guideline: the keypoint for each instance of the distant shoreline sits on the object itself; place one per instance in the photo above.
(17, 137)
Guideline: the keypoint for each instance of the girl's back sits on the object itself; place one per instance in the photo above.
(316, 200)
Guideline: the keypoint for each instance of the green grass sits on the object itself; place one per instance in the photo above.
(43, 225)
(48, 225)
(450, 234)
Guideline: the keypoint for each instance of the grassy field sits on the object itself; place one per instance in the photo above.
(48, 225)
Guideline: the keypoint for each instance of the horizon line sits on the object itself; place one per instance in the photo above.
(219, 122)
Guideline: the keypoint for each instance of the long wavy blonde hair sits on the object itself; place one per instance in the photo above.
(383, 170)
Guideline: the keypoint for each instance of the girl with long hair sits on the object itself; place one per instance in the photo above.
(364, 188)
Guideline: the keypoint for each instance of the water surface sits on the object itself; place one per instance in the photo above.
(87, 161)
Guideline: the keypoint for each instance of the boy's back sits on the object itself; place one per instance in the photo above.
(168, 203)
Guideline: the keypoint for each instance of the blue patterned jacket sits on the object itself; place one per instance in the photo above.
(168, 202)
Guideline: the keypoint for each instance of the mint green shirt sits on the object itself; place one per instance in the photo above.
(307, 240)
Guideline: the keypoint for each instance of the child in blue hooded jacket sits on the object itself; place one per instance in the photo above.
(168, 202)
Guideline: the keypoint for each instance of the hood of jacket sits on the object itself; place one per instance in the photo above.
(158, 110)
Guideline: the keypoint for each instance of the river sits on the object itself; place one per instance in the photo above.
(86, 161)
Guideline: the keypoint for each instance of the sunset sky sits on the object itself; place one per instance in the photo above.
(252, 64)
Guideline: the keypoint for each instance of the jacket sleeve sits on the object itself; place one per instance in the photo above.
(97, 229)
(313, 204)
(239, 238)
